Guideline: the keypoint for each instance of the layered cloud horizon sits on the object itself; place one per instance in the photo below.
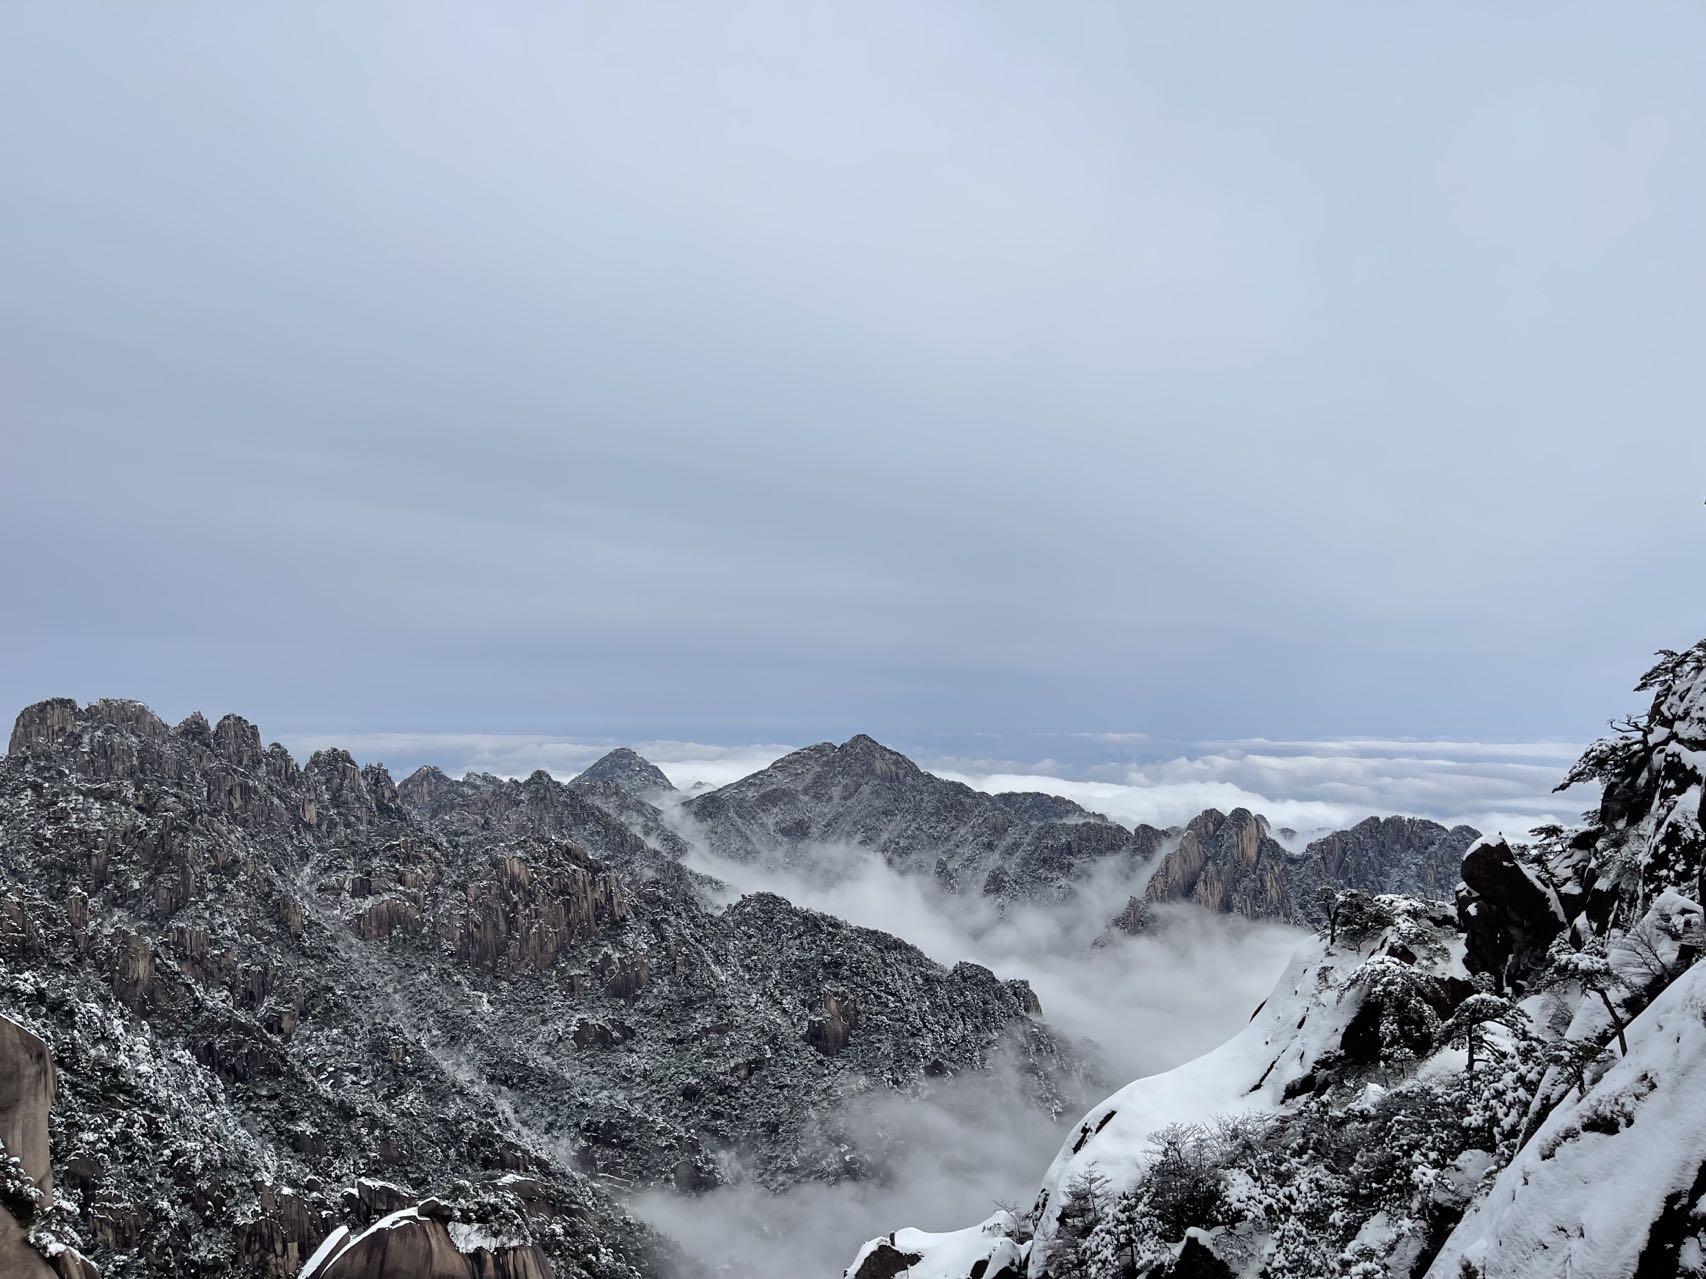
(1305, 786)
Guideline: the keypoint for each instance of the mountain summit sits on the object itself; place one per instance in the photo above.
(868, 795)
(628, 769)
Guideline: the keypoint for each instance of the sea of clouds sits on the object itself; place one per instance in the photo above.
(1305, 785)
(1133, 1005)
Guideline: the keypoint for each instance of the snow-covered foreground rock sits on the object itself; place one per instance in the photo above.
(1609, 1185)
(1504, 1087)
(989, 1249)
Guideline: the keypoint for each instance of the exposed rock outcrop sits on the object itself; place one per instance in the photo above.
(27, 1088)
(1227, 862)
(425, 1242)
(33, 1236)
(1509, 918)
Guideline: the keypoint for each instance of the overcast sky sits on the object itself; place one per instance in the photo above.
(765, 373)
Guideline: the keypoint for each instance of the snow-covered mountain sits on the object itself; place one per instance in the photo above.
(287, 1000)
(863, 795)
(628, 769)
(1506, 1088)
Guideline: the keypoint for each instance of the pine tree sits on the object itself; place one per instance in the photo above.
(1592, 970)
(1468, 1026)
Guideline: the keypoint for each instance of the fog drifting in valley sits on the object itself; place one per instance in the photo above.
(1134, 1005)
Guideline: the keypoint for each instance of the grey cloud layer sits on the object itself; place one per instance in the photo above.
(749, 372)
(1305, 785)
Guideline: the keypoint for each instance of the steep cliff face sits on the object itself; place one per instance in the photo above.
(1231, 863)
(425, 1240)
(274, 991)
(1227, 862)
(37, 1236)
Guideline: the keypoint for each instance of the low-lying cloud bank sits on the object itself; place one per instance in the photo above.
(951, 1158)
(1135, 1005)
(1308, 786)
(687, 764)
(1143, 1003)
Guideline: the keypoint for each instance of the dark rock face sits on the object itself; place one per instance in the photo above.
(829, 1031)
(1409, 856)
(1508, 918)
(863, 794)
(1230, 863)
(885, 1261)
(1196, 1260)
(287, 999)
(629, 770)
(27, 1090)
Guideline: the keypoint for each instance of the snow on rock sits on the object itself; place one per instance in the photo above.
(1607, 1185)
(1295, 1043)
(953, 1254)
(1306, 1016)
(415, 1242)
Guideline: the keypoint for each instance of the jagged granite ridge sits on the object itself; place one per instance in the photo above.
(290, 998)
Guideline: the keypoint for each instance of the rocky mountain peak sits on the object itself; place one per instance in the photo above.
(1227, 862)
(195, 728)
(425, 786)
(864, 755)
(238, 741)
(628, 769)
(1230, 862)
(43, 724)
(864, 794)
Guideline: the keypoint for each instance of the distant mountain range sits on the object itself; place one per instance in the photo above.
(1034, 845)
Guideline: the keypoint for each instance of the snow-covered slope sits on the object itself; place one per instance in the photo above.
(1610, 1184)
(1505, 1089)
(1323, 1024)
